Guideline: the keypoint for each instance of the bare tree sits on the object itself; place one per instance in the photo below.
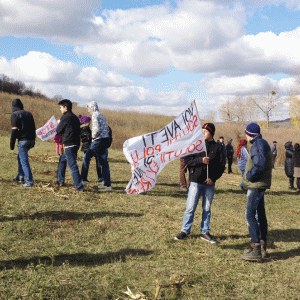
(294, 104)
(211, 116)
(226, 111)
(240, 109)
(267, 103)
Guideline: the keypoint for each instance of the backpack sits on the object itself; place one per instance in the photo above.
(110, 136)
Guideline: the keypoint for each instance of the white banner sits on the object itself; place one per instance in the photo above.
(48, 131)
(149, 153)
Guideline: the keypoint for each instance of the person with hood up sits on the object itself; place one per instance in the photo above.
(289, 163)
(100, 144)
(23, 129)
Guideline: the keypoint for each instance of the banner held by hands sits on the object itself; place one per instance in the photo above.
(148, 154)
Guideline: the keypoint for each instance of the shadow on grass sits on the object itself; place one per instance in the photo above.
(68, 215)
(77, 259)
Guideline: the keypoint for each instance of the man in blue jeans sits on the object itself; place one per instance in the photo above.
(69, 129)
(23, 129)
(202, 183)
(100, 143)
(257, 178)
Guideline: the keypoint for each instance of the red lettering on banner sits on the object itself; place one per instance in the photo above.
(199, 143)
(158, 147)
(150, 149)
(196, 123)
(189, 150)
(52, 125)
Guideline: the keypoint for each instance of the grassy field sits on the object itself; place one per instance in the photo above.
(57, 244)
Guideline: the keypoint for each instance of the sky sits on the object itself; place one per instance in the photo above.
(152, 56)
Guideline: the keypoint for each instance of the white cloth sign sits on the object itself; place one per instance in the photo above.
(48, 131)
(149, 153)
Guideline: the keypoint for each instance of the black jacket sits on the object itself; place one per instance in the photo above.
(289, 164)
(198, 170)
(86, 137)
(23, 120)
(229, 150)
(69, 129)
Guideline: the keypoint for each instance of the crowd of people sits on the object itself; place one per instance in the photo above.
(204, 168)
(71, 131)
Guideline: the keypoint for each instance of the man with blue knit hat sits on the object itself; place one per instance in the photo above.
(257, 178)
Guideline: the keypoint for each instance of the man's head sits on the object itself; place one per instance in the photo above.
(65, 105)
(252, 130)
(229, 141)
(208, 131)
(221, 139)
(274, 142)
(17, 105)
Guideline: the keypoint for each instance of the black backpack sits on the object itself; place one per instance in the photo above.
(110, 136)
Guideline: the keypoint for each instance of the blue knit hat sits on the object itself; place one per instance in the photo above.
(252, 130)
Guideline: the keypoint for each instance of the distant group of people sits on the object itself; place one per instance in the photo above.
(206, 168)
(71, 131)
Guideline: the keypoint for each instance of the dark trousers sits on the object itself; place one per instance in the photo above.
(229, 159)
(182, 171)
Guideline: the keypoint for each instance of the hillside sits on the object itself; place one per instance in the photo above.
(129, 124)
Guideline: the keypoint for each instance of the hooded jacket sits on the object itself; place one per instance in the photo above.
(289, 164)
(23, 121)
(198, 170)
(258, 171)
(100, 128)
(69, 129)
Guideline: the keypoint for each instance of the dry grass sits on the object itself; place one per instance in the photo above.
(56, 244)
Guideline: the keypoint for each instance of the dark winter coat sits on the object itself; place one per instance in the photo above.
(258, 171)
(69, 129)
(289, 164)
(229, 150)
(296, 158)
(86, 137)
(198, 170)
(23, 120)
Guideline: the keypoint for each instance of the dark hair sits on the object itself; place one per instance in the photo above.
(274, 142)
(222, 137)
(67, 103)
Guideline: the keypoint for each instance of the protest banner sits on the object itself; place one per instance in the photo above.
(48, 131)
(149, 153)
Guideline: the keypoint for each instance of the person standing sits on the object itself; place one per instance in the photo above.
(205, 169)
(69, 129)
(257, 178)
(274, 153)
(242, 156)
(296, 161)
(229, 154)
(182, 171)
(221, 141)
(289, 163)
(100, 143)
(23, 129)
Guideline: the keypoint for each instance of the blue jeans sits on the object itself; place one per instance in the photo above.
(256, 215)
(242, 183)
(98, 149)
(69, 157)
(194, 194)
(23, 162)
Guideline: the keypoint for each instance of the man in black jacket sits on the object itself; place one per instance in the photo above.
(69, 129)
(23, 129)
(205, 169)
(229, 152)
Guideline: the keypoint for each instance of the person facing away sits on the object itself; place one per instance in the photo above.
(221, 141)
(289, 163)
(99, 147)
(274, 152)
(229, 154)
(257, 178)
(205, 169)
(86, 140)
(242, 156)
(22, 129)
(69, 129)
(296, 161)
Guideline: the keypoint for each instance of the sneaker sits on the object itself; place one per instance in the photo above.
(100, 179)
(58, 155)
(84, 182)
(207, 237)
(181, 236)
(19, 179)
(104, 187)
(27, 185)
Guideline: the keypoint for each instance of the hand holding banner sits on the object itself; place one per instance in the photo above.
(48, 131)
(149, 153)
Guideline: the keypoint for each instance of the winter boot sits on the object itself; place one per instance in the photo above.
(254, 254)
(263, 249)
